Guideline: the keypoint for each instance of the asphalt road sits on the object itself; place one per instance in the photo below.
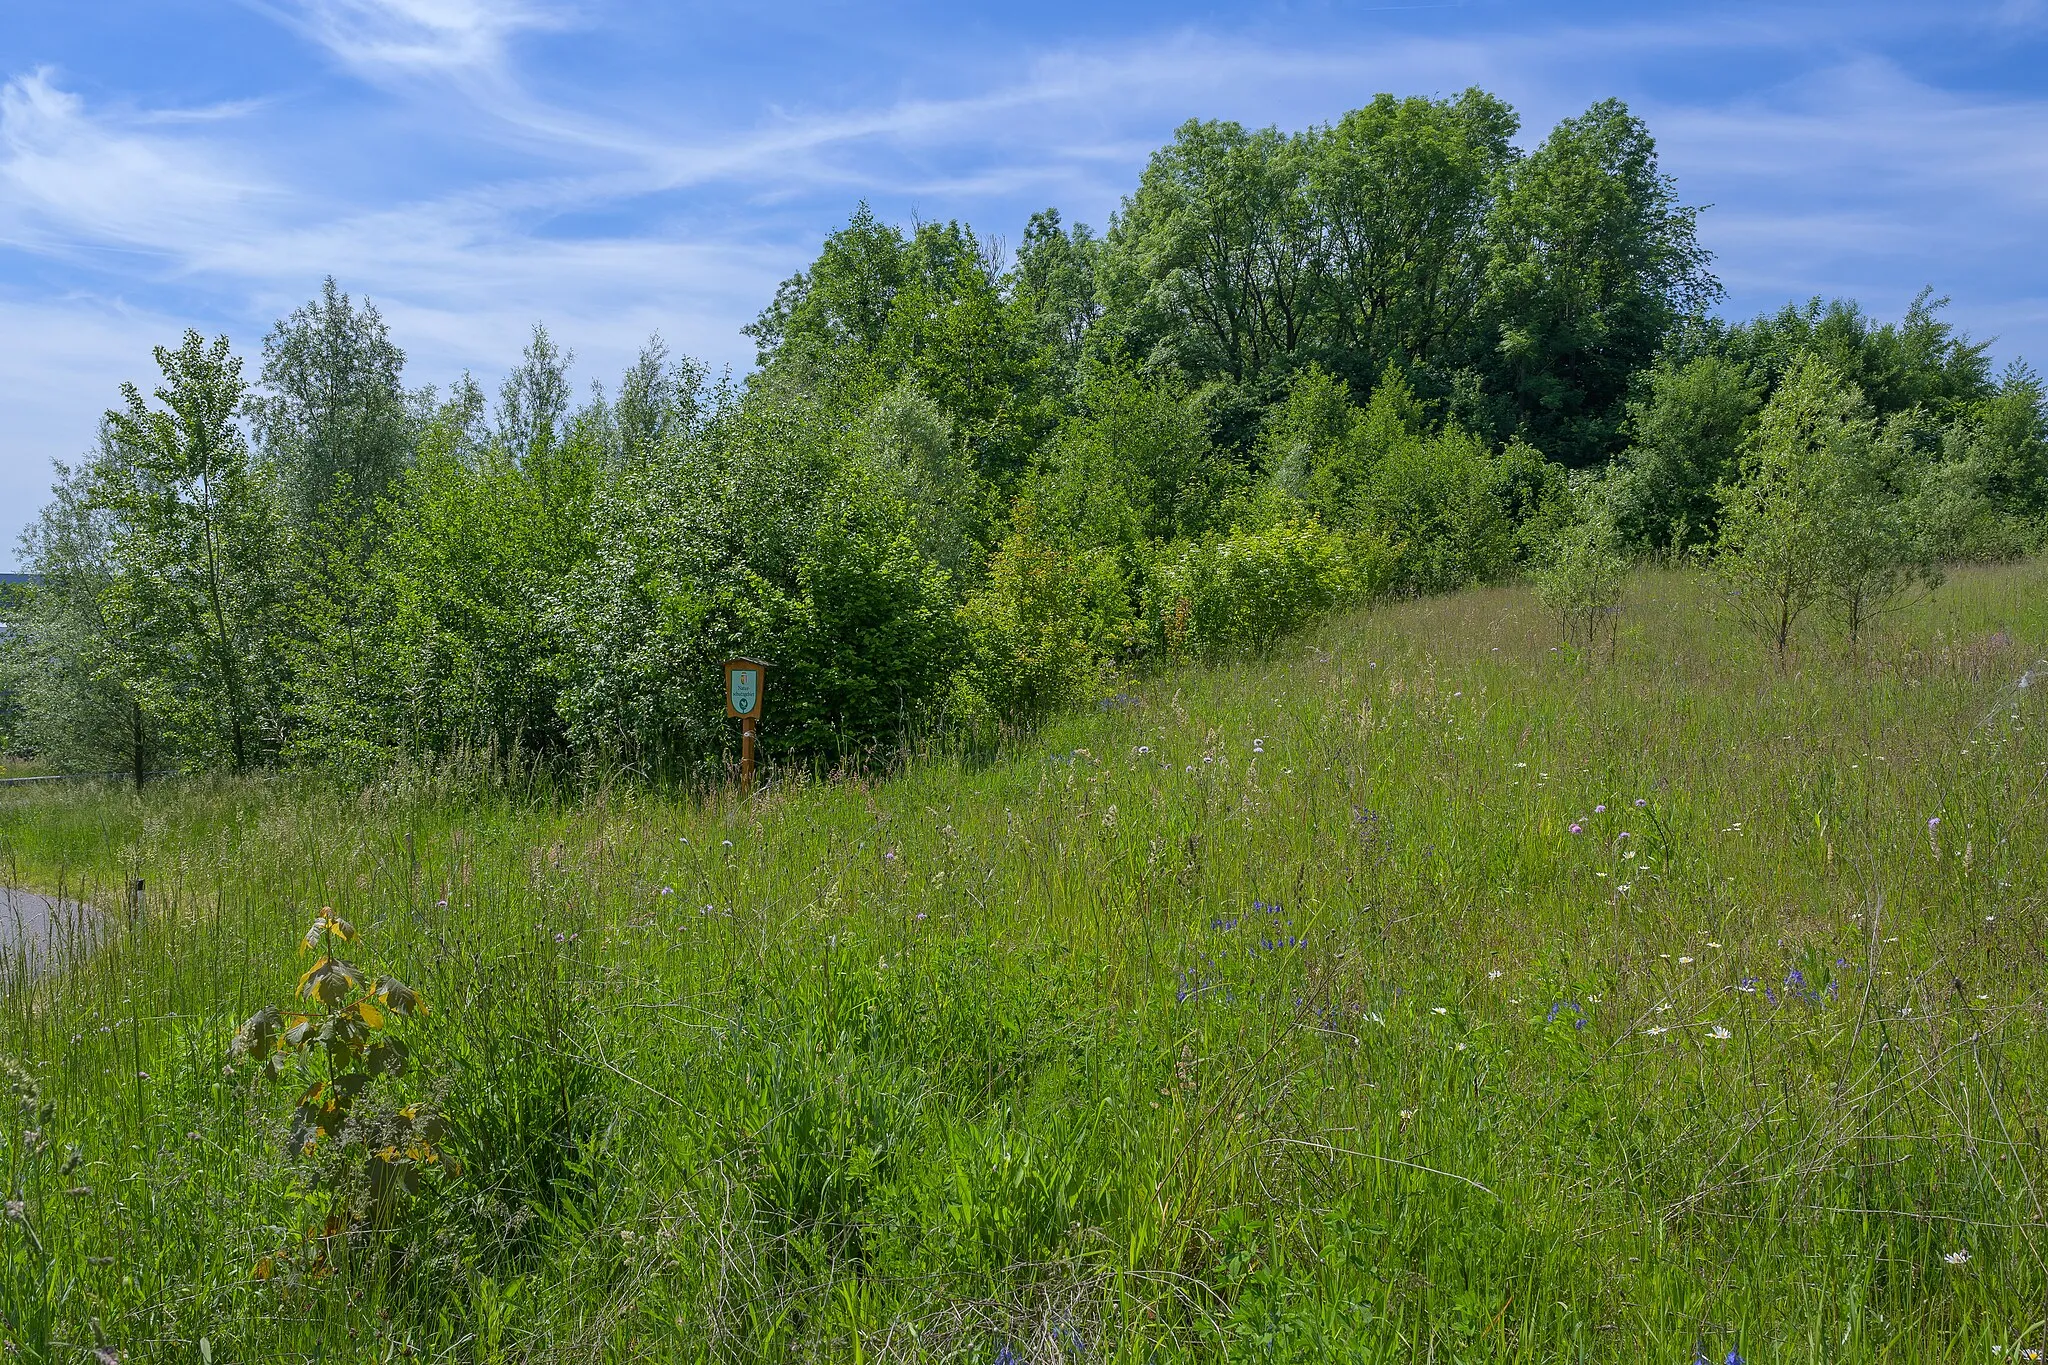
(34, 929)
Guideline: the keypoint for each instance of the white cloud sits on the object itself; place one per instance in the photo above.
(416, 36)
(74, 182)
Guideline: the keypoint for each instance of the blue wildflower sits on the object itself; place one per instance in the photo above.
(1795, 980)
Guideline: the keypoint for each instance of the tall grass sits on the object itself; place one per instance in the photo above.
(1427, 993)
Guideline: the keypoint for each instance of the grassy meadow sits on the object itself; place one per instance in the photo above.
(1425, 993)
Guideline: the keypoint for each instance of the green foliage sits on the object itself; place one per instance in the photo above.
(361, 1148)
(951, 487)
(1451, 509)
(1685, 441)
(1046, 629)
(332, 417)
(878, 308)
(1017, 1051)
(1402, 188)
(1581, 575)
(61, 661)
(1919, 361)
(765, 533)
(1134, 464)
(1241, 593)
(1594, 260)
(1211, 266)
(1314, 445)
(192, 557)
(445, 640)
(1825, 511)
(1774, 542)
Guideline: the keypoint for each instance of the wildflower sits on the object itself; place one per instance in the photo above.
(1493, 975)
(1957, 1258)
(1934, 822)
(1747, 984)
(1654, 1030)
(1576, 829)
(442, 903)
(668, 891)
(1438, 1009)
(1795, 980)
(728, 843)
(1144, 748)
(17, 1208)
(561, 938)
(1712, 944)
(1640, 803)
(1599, 810)
(1683, 961)
(1719, 1031)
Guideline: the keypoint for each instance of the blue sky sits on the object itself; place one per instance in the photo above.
(619, 169)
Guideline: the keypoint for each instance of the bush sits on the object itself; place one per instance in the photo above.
(1240, 593)
(1046, 629)
(1581, 578)
(757, 535)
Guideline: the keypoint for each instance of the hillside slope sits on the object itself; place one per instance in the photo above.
(1423, 993)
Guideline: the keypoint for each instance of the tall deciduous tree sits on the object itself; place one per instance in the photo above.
(194, 540)
(1212, 264)
(1400, 191)
(1594, 259)
(331, 412)
(1685, 441)
(66, 665)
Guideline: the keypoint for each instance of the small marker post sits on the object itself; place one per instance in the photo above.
(744, 684)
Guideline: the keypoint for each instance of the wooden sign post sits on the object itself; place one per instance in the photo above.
(744, 684)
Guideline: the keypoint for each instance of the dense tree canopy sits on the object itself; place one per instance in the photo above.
(1392, 353)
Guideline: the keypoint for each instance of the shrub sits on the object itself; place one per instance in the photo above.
(1047, 628)
(1581, 578)
(1240, 593)
(360, 1146)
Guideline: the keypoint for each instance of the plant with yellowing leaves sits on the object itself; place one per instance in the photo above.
(353, 1136)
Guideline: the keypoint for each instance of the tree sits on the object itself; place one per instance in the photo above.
(1919, 361)
(1593, 261)
(2009, 440)
(660, 400)
(1582, 574)
(1135, 463)
(66, 666)
(1053, 282)
(1400, 192)
(1211, 266)
(193, 547)
(1779, 550)
(331, 414)
(1685, 440)
(1314, 448)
